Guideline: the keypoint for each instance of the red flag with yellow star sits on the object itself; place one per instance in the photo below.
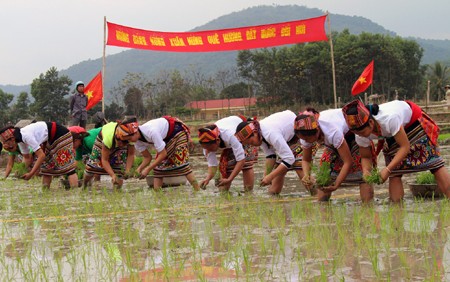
(94, 91)
(364, 80)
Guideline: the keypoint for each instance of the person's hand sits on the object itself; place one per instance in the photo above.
(224, 182)
(115, 179)
(144, 173)
(127, 174)
(203, 184)
(308, 180)
(330, 188)
(384, 173)
(27, 176)
(265, 181)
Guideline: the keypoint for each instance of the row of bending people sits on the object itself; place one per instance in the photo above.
(110, 150)
(405, 133)
(289, 142)
(114, 149)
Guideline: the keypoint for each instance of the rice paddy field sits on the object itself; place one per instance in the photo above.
(176, 234)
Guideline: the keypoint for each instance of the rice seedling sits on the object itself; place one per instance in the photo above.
(19, 169)
(374, 177)
(323, 174)
(425, 177)
(158, 235)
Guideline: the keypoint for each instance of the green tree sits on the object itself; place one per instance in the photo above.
(21, 108)
(134, 103)
(237, 90)
(299, 74)
(439, 75)
(5, 99)
(49, 91)
(114, 112)
(132, 91)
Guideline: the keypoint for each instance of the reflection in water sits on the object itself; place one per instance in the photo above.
(181, 235)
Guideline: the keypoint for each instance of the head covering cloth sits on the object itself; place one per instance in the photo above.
(126, 129)
(208, 135)
(358, 117)
(247, 131)
(6, 135)
(310, 121)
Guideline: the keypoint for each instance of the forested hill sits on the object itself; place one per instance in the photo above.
(151, 63)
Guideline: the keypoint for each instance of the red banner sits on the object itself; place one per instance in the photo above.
(260, 36)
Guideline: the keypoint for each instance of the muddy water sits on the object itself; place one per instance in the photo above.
(180, 235)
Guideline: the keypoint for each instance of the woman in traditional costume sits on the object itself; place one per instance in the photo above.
(112, 153)
(83, 141)
(234, 156)
(171, 139)
(53, 146)
(341, 151)
(17, 157)
(409, 137)
(275, 134)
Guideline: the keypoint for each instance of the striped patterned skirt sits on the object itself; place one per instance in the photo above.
(117, 159)
(59, 156)
(331, 155)
(177, 161)
(228, 160)
(423, 155)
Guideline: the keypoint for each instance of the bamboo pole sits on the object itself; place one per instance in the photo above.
(104, 63)
(332, 61)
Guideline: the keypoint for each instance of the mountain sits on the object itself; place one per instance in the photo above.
(151, 62)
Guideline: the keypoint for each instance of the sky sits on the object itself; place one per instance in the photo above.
(39, 34)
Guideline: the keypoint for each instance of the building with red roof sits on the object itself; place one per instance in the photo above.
(217, 109)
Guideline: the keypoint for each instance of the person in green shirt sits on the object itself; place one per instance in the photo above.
(83, 140)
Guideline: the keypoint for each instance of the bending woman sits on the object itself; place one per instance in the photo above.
(275, 134)
(53, 147)
(409, 136)
(112, 153)
(341, 151)
(234, 157)
(171, 139)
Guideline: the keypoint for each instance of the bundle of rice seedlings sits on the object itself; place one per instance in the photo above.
(374, 177)
(323, 174)
(19, 169)
(425, 177)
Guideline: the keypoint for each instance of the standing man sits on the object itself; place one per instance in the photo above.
(78, 105)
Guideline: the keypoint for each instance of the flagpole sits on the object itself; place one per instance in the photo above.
(103, 63)
(332, 61)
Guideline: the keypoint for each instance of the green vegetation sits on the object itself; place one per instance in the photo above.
(19, 169)
(80, 170)
(323, 174)
(443, 137)
(173, 235)
(425, 177)
(374, 177)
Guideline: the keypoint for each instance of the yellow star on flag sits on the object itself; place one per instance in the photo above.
(89, 94)
(362, 80)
